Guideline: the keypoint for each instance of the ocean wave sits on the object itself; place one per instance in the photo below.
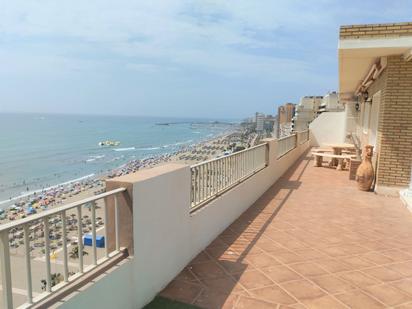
(94, 158)
(148, 148)
(116, 159)
(177, 144)
(125, 149)
(183, 143)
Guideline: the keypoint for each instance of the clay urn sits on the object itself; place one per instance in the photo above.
(364, 173)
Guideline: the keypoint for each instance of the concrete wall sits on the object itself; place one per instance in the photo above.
(167, 236)
(112, 290)
(328, 128)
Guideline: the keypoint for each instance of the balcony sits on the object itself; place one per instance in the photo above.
(313, 240)
(261, 227)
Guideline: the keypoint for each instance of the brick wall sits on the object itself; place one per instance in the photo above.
(395, 124)
(373, 31)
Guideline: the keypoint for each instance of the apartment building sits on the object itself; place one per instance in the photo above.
(375, 84)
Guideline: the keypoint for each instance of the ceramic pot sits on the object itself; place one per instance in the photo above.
(364, 173)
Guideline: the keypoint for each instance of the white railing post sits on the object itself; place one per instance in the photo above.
(193, 186)
(94, 246)
(28, 264)
(106, 239)
(5, 270)
(197, 170)
(80, 237)
(117, 217)
(208, 179)
(65, 258)
(47, 253)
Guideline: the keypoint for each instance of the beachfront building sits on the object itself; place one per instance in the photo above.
(330, 103)
(305, 112)
(275, 132)
(285, 116)
(262, 124)
(310, 107)
(259, 119)
(286, 112)
(268, 124)
(260, 228)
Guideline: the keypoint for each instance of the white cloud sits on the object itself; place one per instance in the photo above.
(292, 42)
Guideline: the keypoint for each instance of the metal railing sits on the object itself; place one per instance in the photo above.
(210, 178)
(286, 144)
(45, 223)
(303, 136)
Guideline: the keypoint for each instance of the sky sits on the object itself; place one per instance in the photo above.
(208, 59)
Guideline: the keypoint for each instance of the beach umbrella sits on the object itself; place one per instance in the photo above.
(29, 210)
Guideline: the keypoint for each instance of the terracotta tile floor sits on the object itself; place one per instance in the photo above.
(311, 241)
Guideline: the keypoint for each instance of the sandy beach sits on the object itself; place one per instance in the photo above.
(71, 192)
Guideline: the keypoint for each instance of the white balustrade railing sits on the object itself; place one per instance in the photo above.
(303, 136)
(286, 144)
(41, 222)
(210, 178)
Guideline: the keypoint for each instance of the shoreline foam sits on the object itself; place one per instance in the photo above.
(33, 192)
(147, 162)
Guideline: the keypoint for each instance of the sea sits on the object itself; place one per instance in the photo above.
(38, 151)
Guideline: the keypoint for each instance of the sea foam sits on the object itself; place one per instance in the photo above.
(125, 149)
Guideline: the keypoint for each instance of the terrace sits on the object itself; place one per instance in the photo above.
(313, 240)
(261, 227)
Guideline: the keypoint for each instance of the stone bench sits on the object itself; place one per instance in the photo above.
(340, 158)
(322, 150)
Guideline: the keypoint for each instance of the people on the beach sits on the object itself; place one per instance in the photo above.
(28, 205)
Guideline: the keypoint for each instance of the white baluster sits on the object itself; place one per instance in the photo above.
(117, 224)
(65, 259)
(80, 238)
(5, 270)
(106, 220)
(47, 253)
(94, 246)
(28, 263)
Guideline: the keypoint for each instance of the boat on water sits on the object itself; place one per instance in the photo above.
(109, 143)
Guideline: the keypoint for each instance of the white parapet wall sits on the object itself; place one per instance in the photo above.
(328, 128)
(167, 236)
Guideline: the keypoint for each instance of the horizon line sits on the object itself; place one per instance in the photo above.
(122, 115)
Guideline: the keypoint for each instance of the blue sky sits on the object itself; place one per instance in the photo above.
(224, 59)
